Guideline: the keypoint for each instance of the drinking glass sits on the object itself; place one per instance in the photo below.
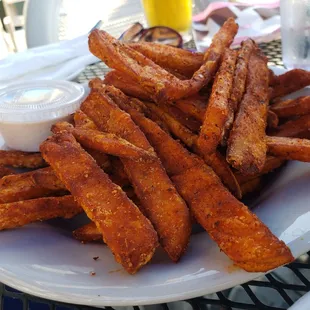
(176, 14)
(295, 30)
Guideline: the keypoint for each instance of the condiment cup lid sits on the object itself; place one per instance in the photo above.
(37, 101)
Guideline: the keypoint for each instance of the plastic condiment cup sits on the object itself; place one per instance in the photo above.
(29, 109)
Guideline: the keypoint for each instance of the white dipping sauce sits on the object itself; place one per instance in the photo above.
(29, 109)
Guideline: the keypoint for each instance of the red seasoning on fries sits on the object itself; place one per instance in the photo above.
(167, 138)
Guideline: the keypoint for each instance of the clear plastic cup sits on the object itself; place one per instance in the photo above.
(295, 29)
(29, 109)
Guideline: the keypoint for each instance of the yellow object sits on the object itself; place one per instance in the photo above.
(176, 14)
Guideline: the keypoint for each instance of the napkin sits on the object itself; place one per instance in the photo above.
(259, 21)
(63, 61)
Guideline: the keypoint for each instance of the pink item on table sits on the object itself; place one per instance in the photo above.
(260, 21)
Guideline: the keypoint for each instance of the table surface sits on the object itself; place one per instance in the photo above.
(275, 291)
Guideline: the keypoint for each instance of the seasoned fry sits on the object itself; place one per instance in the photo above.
(47, 179)
(246, 145)
(292, 107)
(87, 233)
(176, 128)
(272, 78)
(293, 128)
(115, 166)
(213, 56)
(4, 171)
(213, 129)
(104, 142)
(251, 186)
(16, 214)
(289, 148)
(239, 83)
(272, 119)
(160, 200)
(215, 160)
(126, 84)
(22, 187)
(289, 82)
(20, 159)
(238, 232)
(240, 74)
(169, 57)
(220, 166)
(118, 174)
(103, 201)
(81, 120)
(160, 84)
(188, 121)
(271, 164)
(194, 106)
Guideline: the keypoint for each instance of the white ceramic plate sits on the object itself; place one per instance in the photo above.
(44, 260)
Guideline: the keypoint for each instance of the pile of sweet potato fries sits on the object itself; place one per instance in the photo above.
(168, 138)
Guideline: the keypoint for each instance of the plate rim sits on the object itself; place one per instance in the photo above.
(71, 298)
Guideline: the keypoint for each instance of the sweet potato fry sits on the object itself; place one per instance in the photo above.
(215, 160)
(289, 148)
(4, 171)
(81, 120)
(251, 186)
(292, 107)
(160, 84)
(176, 128)
(169, 57)
(271, 164)
(213, 130)
(272, 119)
(20, 159)
(186, 120)
(20, 213)
(103, 201)
(238, 232)
(126, 84)
(22, 187)
(104, 142)
(289, 82)
(87, 233)
(239, 83)
(246, 145)
(115, 166)
(220, 166)
(272, 78)
(160, 200)
(293, 128)
(118, 174)
(240, 74)
(194, 106)
(47, 179)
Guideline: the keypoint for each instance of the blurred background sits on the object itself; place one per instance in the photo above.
(31, 23)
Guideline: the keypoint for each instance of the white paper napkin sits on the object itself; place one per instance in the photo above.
(62, 61)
